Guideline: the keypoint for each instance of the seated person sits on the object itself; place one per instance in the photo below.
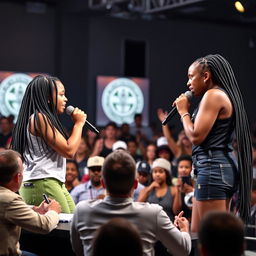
(14, 212)
(72, 174)
(151, 221)
(117, 237)
(221, 234)
(92, 189)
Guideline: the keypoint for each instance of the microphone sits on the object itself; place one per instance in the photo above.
(88, 125)
(174, 110)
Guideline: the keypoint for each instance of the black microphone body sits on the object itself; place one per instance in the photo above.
(174, 111)
(88, 125)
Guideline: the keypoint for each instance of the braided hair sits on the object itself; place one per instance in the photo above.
(223, 75)
(39, 98)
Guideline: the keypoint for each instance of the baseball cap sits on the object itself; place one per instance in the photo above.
(119, 145)
(163, 163)
(161, 141)
(95, 161)
(143, 166)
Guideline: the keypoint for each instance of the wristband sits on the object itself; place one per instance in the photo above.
(186, 114)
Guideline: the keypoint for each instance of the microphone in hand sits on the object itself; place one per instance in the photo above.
(88, 125)
(174, 110)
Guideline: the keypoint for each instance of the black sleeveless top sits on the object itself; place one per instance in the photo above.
(219, 138)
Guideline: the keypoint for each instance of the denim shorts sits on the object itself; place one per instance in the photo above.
(216, 175)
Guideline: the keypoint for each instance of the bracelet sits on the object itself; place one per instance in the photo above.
(186, 114)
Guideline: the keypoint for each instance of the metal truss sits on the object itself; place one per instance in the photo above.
(143, 6)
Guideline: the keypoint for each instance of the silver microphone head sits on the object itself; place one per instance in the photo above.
(189, 95)
(69, 110)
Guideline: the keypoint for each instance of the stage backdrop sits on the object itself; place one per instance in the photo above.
(120, 98)
(12, 89)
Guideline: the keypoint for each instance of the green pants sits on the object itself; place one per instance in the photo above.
(32, 192)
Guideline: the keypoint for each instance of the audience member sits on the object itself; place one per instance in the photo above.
(251, 227)
(71, 175)
(103, 146)
(6, 131)
(125, 134)
(92, 189)
(160, 190)
(221, 234)
(14, 212)
(132, 148)
(254, 159)
(81, 157)
(150, 153)
(117, 237)
(185, 182)
(181, 147)
(143, 173)
(138, 129)
(151, 221)
(163, 150)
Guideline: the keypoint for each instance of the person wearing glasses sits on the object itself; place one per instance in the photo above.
(92, 189)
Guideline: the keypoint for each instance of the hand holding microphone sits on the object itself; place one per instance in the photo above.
(174, 111)
(79, 115)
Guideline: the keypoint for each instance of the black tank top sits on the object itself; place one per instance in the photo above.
(219, 138)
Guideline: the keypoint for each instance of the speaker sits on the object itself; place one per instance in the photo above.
(134, 58)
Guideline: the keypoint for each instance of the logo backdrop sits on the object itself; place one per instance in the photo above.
(119, 99)
(12, 89)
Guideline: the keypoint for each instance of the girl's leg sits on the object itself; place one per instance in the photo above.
(200, 208)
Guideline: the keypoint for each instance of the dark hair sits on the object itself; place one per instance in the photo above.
(9, 165)
(119, 172)
(73, 162)
(223, 75)
(38, 98)
(184, 158)
(137, 115)
(254, 185)
(113, 124)
(117, 237)
(221, 234)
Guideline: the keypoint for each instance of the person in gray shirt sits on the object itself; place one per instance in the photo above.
(150, 219)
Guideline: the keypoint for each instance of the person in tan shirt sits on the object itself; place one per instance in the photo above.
(14, 212)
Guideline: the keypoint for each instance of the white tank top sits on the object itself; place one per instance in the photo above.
(43, 163)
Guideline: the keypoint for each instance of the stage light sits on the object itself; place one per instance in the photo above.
(239, 7)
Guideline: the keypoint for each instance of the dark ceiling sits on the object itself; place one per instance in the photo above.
(221, 11)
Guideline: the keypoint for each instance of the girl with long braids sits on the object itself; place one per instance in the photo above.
(220, 112)
(41, 140)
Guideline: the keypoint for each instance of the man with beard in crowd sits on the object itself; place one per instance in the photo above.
(92, 189)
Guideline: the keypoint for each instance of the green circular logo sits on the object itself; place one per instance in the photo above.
(12, 90)
(121, 99)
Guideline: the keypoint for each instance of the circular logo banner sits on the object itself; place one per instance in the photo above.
(121, 100)
(12, 90)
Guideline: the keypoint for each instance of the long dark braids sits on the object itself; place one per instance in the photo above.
(223, 75)
(40, 97)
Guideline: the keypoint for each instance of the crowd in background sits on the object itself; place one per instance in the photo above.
(164, 164)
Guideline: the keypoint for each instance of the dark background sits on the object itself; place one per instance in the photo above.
(76, 45)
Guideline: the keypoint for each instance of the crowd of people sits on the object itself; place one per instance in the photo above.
(166, 181)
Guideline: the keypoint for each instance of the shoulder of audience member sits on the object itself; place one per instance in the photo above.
(78, 188)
